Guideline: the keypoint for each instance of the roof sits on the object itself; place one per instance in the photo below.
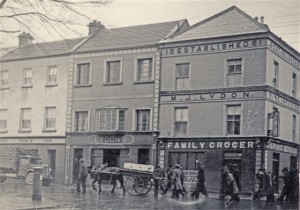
(229, 22)
(132, 36)
(3, 51)
(42, 49)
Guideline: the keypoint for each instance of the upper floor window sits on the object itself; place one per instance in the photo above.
(27, 77)
(50, 118)
(276, 75)
(111, 119)
(144, 70)
(4, 78)
(143, 120)
(25, 119)
(234, 72)
(294, 88)
(294, 128)
(83, 76)
(182, 76)
(3, 119)
(81, 121)
(233, 119)
(181, 121)
(113, 72)
(52, 75)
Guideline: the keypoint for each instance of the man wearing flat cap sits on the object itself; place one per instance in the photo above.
(82, 175)
(287, 186)
(200, 187)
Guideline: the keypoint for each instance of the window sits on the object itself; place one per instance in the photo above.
(50, 118)
(182, 76)
(276, 75)
(52, 75)
(181, 119)
(294, 88)
(144, 69)
(3, 119)
(81, 123)
(27, 77)
(143, 156)
(234, 72)
(113, 72)
(111, 119)
(4, 78)
(25, 119)
(233, 119)
(83, 74)
(294, 128)
(143, 120)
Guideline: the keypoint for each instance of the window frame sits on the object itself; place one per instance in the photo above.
(227, 60)
(7, 79)
(186, 77)
(24, 84)
(137, 70)
(117, 119)
(275, 79)
(49, 83)
(76, 123)
(45, 119)
(226, 119)
(294, 85)
(135, 117)
(175, 122)
(4, 130)
(106, 61)
(21, 129)
(76, 79)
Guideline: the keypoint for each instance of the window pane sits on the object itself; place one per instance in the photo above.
(27, 76)
(3, 119)
(50, 117)
(4, 78)
(52, 74)
(113, 71)
(182, 70)
(144, 70)
(83, 74)
(25, 118)
(233, 119)
(143, 120)
(82, 121)
(121, 120)
(111, 119)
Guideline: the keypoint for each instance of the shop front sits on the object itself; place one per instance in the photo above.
(113, 149)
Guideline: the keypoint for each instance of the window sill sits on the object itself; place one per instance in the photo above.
(51, 85)
(3, 131)
(143, 82)
(79, 86)
(27, 86)
(115, 83)
(49, 130)
(24, 131)
(4, 88)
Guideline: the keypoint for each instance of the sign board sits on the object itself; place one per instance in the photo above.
(32, 140)
(110, 140)
(139, 167)
(282, 148)
(193, 145)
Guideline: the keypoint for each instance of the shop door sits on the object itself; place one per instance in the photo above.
(111, 157)
(78, 153)
(275, 170)
(51, 162)
(143, 156)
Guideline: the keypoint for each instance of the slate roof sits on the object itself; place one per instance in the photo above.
(229, 22)
(42, 49)
(126, 37)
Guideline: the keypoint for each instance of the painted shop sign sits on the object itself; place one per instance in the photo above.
(210, 145)
(31, 141)
(283, 101)
(213, 47)
(110, 140)
(282, 148)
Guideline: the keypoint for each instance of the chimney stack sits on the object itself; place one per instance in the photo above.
(25, 39)
(95, 26)
(262, 19)
(256, 18)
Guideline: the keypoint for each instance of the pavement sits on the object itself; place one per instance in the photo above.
(15, 194)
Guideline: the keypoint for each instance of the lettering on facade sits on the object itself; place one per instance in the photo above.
(282, 148)
(212, 47)
(31, 141)
(283, 101)
(95, 139)
(210, 145)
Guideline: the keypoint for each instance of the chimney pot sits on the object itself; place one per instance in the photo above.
(95, 26)
(256, 18)
(25, 39)
(262, 19)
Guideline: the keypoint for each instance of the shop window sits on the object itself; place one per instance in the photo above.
(111, 157)
(3, 119)
(4, 78)
(25, 119)
(144, 70)
(52, 75)
(113, 73)
(50, 118)
(96, 157)
(83, 74)
(233, 119)
(293, 162)
(143, 156)
(143, 120)
(276, 75)
(181, 121)
(182, 76)
(234, 72)
(81, 121)
(187, 160)
(111, 119)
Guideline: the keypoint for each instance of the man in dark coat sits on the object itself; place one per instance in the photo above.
(236, 176)
(178, 185)
(82, 175)
(295, 185)
(266, 186)
(168, 174)
(287, 187)
(200, 187)
(230, 187)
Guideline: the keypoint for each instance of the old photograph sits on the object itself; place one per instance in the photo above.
(149, 104)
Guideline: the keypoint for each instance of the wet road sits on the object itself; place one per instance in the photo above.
(15, 195)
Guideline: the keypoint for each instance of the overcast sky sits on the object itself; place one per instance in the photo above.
(282, 16)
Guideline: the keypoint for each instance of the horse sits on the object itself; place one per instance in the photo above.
(99, 173)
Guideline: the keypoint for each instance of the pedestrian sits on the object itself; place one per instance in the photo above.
(266, 185)
(177, 182)
(168, 175)
(295, 185)
(236, 176)
(287, 186)
(230, 187)
(200, 187)
(182, 180)
(222, 182)
(82, 175)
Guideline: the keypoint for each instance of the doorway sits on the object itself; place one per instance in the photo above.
(143, 156)
(111, 157)
(51, 162)
(275, 170)
(78, 153)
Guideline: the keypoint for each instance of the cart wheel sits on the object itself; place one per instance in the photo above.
(29, 178)
(147, 186)
(134, 185)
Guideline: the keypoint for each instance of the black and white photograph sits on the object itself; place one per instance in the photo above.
(149, 104)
